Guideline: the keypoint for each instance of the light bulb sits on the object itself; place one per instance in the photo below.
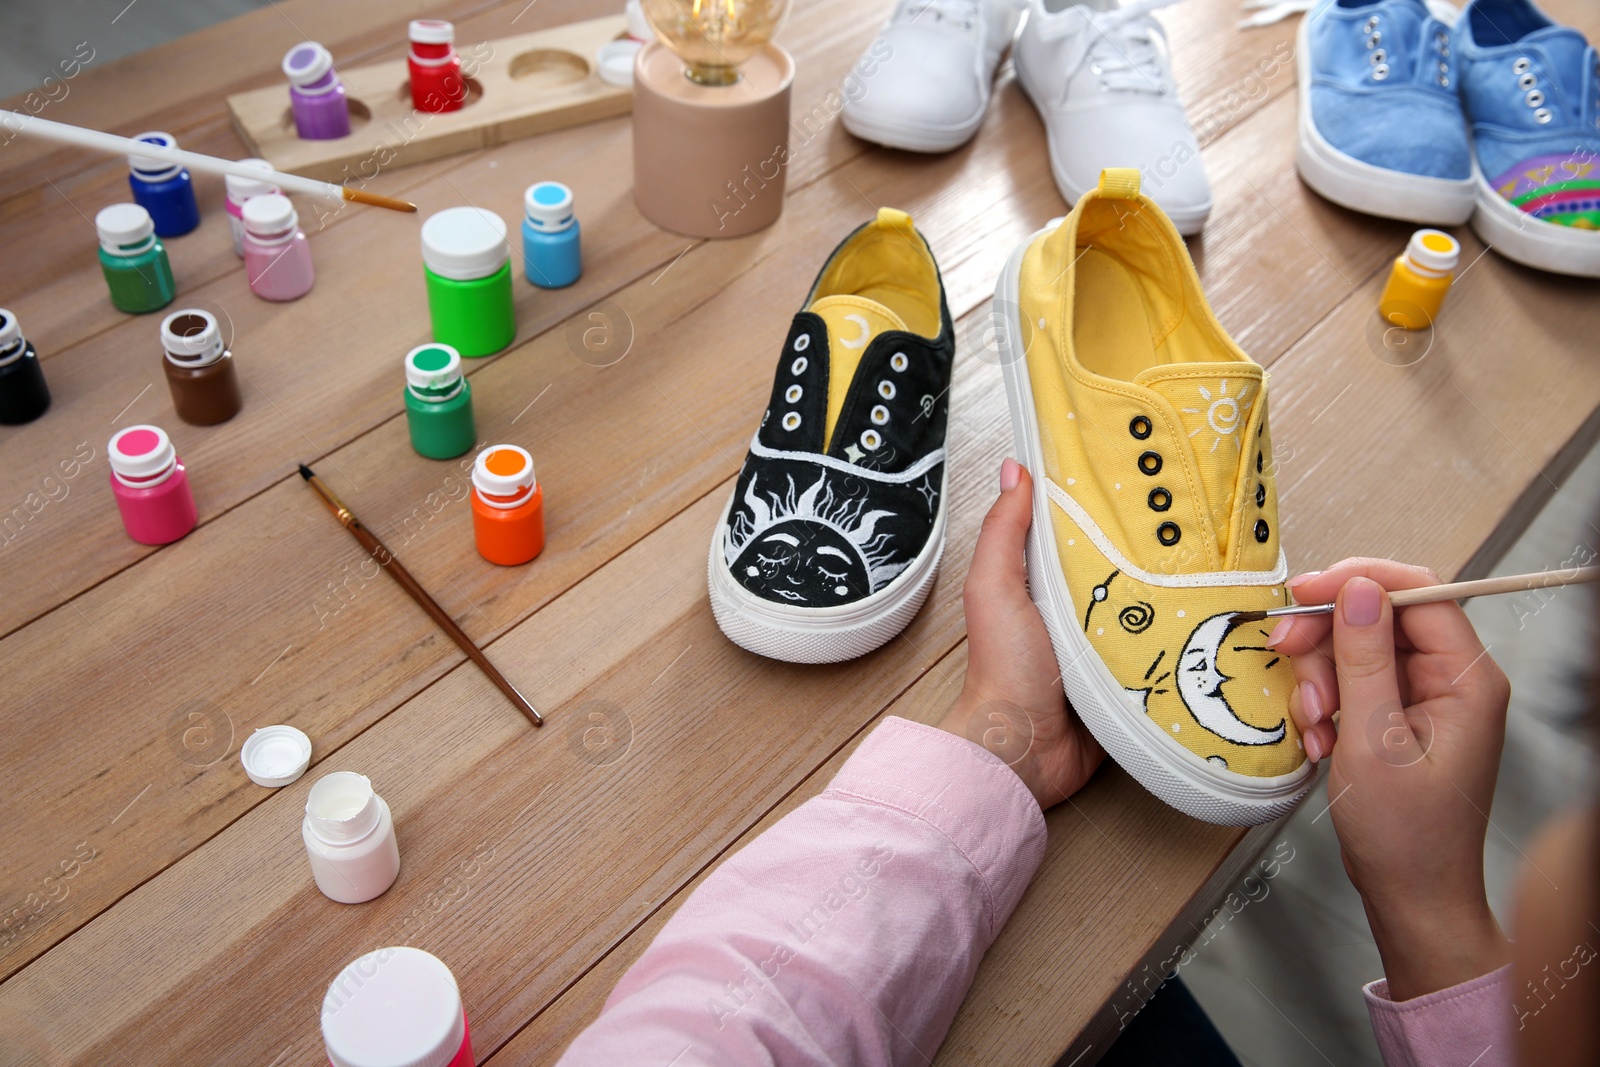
(714, 36)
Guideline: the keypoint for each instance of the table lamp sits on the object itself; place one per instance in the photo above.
(711, 116)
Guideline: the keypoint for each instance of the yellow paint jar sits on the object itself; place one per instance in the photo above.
(1420, 279)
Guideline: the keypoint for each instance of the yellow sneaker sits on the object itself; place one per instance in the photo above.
(1155, 520)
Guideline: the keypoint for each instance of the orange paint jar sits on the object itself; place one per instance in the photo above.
(507, 506)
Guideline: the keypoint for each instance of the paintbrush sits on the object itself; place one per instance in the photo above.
(111, 144)
(1433, 594)
(387, 561)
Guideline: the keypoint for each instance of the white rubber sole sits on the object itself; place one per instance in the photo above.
(1519, 236)
(1349, 182)
(911, 137)
(822, 635)
(1174, 774)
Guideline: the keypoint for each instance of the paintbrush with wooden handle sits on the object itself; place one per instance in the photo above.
(1433, 594)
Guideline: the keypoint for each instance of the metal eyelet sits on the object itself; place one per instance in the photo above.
(1444, 50)
(791, 421)
(1527, 81)
(798, 366)
(886, 390)
(1543, 117)
(1444, 81)
(1444, 68)
(1380, 72)
(1261, 495)
(1535, 98)
(1522, 64)
(1150, 463)
(1374, 40)
(1372, 24)
(880, 415)
(871, 439)
(802, 342)
(1140, 427)
(1168, 533)
(1262, 531)
(1159, 499)
(899, 362)
(1377, 58)
(793, 394)
(1260, 459)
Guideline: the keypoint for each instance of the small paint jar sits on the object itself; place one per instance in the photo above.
(396, 1007)
(550, 255)
(133, 259)
(164, 189)
(316, 94)
(467, 265)
(507, 506)
(1419, 280)
(199, 369)
(438, 402)
(23, 394)
(240, 190)
(277, 256)
(349, 836)
(436, 80)
(151, 486)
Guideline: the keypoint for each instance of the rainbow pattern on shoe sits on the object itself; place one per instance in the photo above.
(1563, 189)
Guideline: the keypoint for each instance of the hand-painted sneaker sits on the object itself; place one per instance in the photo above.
(1381, 128)
(832, 537)
(1532, 93)
(1154, 515)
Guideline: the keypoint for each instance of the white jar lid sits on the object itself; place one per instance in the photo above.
(141, 452)
(503, 471)
(268, 215)
(121, 225)
(154, 169)
(307, 63)
(548, 205)
(431, 31)
(10, 334)
(192, 337)
(242, 189)
(464, 243)
(396, 1007)
(275, 756)
(1434, 250)
(434, 367)
(616, 61)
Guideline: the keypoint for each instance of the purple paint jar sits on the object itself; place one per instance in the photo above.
(316, 95)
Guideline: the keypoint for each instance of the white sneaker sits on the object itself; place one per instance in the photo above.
(924, 83)
(1102, 81)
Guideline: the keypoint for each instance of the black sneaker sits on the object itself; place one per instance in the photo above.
(833, 535)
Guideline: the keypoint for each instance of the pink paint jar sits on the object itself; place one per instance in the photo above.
(396, 1007)
(277, 256)
(150, 485)
(242, 189)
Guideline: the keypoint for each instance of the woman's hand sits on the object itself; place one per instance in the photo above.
(1012, 703)
(1422, 712)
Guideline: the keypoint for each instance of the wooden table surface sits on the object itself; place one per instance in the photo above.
(158, 905)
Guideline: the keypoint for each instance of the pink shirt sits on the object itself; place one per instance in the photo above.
(849, 932)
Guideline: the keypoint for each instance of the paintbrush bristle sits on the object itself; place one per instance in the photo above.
(1249, 616)
(306, 472)
(377, 200)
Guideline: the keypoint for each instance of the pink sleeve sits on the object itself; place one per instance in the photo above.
(1467, 1023)
(849, 931)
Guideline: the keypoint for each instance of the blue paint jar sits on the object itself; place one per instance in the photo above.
(550, 255)
(164, 189)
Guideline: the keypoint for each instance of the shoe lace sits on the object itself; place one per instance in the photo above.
(961, 13)
(1119, 45)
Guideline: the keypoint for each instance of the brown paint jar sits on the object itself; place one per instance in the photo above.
(205, 389)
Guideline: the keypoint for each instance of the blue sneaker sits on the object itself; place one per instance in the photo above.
(1381, 128)
(1532, 91)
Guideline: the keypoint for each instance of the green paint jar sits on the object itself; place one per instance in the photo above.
(438, 402)
(133, 259)
(467, 263)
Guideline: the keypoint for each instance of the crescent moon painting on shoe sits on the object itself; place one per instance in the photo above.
(1200, 684)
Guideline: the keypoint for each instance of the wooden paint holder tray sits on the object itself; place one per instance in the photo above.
(516, 87)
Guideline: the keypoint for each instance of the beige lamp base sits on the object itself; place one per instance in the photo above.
(710, 161)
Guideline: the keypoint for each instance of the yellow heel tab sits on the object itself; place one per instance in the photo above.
(1119, 183)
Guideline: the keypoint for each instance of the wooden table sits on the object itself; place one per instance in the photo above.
(165, 910)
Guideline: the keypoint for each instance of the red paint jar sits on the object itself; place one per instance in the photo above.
(507, 506)
(151, 485)
(436, 80)
(396, 1007)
